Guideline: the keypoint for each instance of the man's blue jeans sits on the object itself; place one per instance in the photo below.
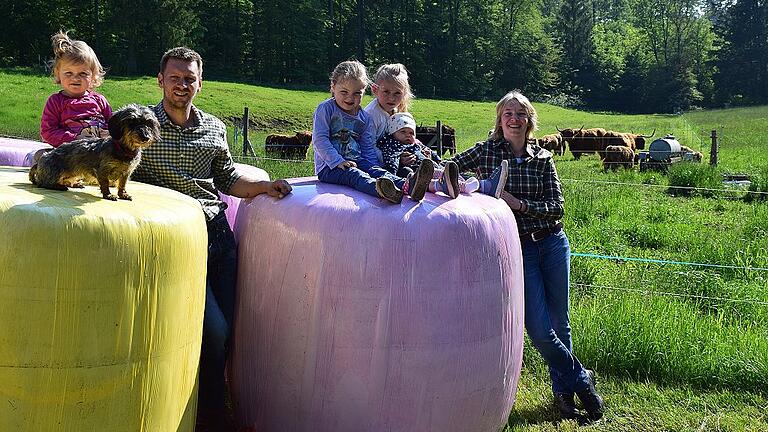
(219, 312)
(547, 271)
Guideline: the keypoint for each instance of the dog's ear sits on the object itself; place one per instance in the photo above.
(115, 127)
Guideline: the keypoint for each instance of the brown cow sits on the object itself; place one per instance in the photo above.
(584, 141)
(287, 146)
(618, 156)
(570, 135)
(694, 155)
(613, 138)
(553, 143)
(640, 139)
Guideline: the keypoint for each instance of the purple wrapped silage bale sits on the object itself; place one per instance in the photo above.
(355, 314)
(19, 152)
(233, 203)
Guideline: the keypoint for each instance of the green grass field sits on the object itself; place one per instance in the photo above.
(677, 346)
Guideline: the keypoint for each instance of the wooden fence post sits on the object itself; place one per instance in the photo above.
(440, 138)
(713, 150)
(247, 147)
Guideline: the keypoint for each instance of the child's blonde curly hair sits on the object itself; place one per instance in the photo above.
(350, 70)
(74, 51)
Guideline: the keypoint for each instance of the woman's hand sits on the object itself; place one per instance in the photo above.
(347, 164)
(513, 202)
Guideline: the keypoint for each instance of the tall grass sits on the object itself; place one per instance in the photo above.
(689, 179)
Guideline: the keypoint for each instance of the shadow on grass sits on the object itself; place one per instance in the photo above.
(543, 414)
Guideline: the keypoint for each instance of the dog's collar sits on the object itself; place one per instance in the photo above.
(122, 153)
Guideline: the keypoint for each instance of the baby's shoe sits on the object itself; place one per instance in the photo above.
(386, 189)
(449, 181)
(417, 183)
(469, 185)
(494, 185)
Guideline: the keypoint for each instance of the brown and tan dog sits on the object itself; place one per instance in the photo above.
(131, 129)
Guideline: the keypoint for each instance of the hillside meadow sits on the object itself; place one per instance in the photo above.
(669, 291)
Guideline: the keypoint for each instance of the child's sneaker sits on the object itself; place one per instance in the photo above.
(449, 181)
(417, 183)
(494, 185)
(386, 189)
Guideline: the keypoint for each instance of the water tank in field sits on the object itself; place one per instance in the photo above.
(664, 148)
(354, 314)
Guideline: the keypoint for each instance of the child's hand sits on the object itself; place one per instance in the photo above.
(347, 164)
(86, 132)
(407, 159)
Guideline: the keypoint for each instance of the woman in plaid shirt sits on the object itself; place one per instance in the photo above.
(533, 193)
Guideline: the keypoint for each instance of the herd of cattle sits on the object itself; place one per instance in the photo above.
(615, 149)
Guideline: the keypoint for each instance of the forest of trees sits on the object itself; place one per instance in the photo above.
(618, 55)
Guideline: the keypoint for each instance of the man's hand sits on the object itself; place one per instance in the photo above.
(279, 189)
(407, 159)
(247, 187)
(347, 164)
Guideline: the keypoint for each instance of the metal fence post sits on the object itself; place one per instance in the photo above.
(713, 150)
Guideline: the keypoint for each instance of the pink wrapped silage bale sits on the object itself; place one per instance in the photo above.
(233, 203)
(354, 314)
(19, 152)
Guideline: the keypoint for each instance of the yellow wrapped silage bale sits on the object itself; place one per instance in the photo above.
(101, 307)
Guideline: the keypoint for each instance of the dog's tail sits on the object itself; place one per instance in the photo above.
(33, 174)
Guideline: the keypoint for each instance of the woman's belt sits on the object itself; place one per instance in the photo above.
(542, 233)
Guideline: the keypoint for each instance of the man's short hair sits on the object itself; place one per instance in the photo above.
(184, 54)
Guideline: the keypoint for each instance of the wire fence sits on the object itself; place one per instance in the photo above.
(672, 294)
(255, 160)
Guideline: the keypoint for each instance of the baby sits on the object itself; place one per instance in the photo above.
(401, 137)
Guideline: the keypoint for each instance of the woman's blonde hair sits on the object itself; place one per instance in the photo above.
(349, 70)
(74, 51)
(533, 118)
(398, 74)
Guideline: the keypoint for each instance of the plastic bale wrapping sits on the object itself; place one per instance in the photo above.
(18, 152)
(101, 307)
(233, 203)
(354, 314)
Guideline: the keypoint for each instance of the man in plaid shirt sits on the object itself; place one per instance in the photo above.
(193, 157)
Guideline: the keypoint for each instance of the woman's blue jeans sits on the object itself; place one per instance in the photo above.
(219, 312)
(547, 271)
